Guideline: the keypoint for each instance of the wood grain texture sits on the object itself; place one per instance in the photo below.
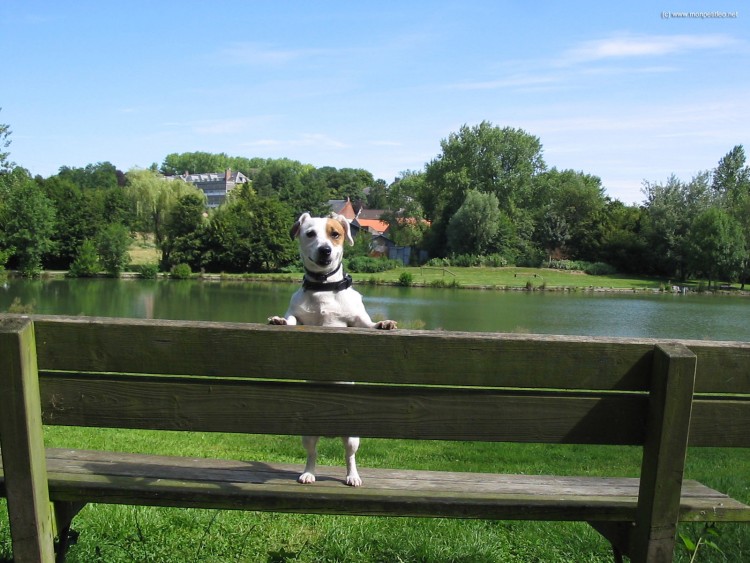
(420, 357)
(383, 411)
(249, 485)
(237, 350)
(24, 462)
(668, 425)
(229, 377)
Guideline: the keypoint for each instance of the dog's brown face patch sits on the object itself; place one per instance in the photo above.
(335, 232)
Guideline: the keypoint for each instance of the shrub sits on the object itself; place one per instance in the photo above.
(181, 271)
(112, 244)
(442, 283)
(495, 261)
(86, 263)
(370, 265)
(148, 271)
(405, 279)
(600, 269)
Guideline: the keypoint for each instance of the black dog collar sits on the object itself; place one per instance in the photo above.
(319, 282)
(346, 283)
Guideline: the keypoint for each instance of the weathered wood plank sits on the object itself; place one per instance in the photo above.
(664, 454)
(230, 349)
(172, 481)
(334, 409)
(723, 367)
(720, 422)
(24, 463)
(427, 357)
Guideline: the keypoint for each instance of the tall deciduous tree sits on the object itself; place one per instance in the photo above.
(407, 225)
(153, 197)
(184, 232)
(28, 222)
(485, 158)
(731, 178)
(112, 245)
(250, 234)
(5, 164)
(472, 230)
(731, 182)
(670, 209)
(716, 245)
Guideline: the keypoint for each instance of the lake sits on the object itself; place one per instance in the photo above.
(714, 317)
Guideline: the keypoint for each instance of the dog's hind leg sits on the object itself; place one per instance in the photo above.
(311, 445)
(351, 445)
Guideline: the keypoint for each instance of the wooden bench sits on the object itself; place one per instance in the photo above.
(420, 385)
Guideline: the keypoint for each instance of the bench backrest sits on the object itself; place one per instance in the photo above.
(410, 384)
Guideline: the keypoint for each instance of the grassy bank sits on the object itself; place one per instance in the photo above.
(143, 251)
(114, 533)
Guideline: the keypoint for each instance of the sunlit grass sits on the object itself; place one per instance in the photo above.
(124, 533)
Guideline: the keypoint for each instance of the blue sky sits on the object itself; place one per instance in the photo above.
(616, 90)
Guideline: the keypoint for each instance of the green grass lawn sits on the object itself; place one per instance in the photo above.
(492, 278)
(143, 251)
(512, 277)
(123, 533)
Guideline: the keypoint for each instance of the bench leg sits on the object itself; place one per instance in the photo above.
(673, 382)
(24, 461)
(618, 535)
(64, 514)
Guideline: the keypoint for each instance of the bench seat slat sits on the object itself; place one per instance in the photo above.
(125, 478)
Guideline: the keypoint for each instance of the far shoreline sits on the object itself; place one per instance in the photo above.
(471, 278)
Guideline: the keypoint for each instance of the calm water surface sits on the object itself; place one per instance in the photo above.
(593, 314)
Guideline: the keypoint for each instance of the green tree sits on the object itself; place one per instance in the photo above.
(407, 225)
(251, 236)
(152, 198)
(473, 228)
(101, 176)
(731, 178)
(28, 222)
(488, 159)
(78, 219)
(86, 262)
(377, 197)
(731, 183)
(5, 132)
(184, 232)
(112, 246)
(623, 243)
(202, 163)
(294, 184)
(570, 213)
(716, 245)
(669, 210)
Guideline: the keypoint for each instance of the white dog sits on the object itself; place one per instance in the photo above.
(326, 298)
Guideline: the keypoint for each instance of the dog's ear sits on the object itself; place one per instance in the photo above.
(347, 227)
(294, 231)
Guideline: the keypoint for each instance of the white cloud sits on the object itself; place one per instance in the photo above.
(638, 46)
(249, 53)
(516, 81)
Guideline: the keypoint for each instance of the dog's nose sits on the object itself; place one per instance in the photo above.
(325, 250)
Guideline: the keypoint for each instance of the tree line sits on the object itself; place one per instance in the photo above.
(487, 197)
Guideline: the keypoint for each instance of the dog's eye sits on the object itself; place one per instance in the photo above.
(335, 234)
(310, 234)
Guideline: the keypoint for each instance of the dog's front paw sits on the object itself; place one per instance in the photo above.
(276, 320)
(354, 480)
(386, 325)
(306, 478)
